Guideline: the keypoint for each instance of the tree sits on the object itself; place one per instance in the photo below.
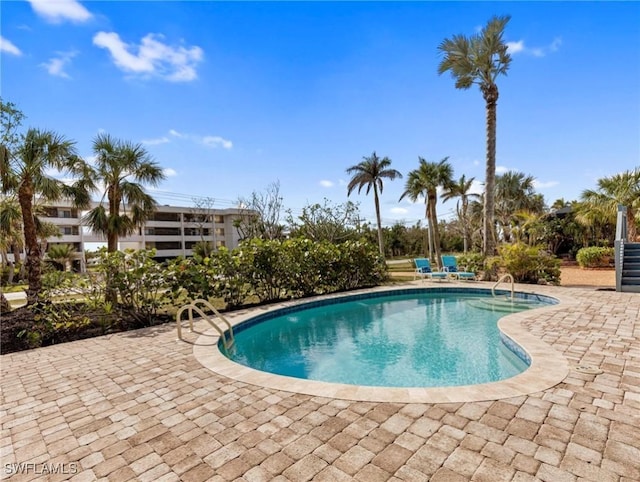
(124, 168)
(10, 138)
(425, 182)
(325, 222)
(261, 214)
(62, 254)
(370, 172)
(515, 192)
(462, 189)
(623, 188)
(11, 232)
(479, 59)
(25, 172)
(10, 121)
(202, 215)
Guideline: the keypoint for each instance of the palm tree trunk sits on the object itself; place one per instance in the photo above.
(12, 272)
(33, 262)
(491, 98)
(377, 203)
(429, 229)
(465, 227)
(436, 233)
(111, 295)
(16, 253)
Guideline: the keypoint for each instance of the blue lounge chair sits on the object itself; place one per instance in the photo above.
(423, 269)
(450, 265)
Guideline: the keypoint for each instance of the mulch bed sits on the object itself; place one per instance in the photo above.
(23, 328)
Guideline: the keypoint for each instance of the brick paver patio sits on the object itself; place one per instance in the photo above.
(139, 406)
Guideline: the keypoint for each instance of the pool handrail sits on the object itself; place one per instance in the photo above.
(500, 280)
(193, 306)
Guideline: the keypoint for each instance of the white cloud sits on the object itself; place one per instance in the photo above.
(169, 172)
(543, 185)
(398, 211)
(151, 57)
(9, 47)
(217, 141)
(515, 47)
(156, 141)
(520, 47)
(476, 162)
(56, 65)
(56, 11)
(209, 141)
(502, 169)
(477, 187)
(326, 183)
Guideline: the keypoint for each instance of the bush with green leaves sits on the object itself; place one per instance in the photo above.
(473, 262)
(274, 269)
(527, 264)
(270, 267)
(138, 280)
(359, 265)
(220, 275)
(595, 257)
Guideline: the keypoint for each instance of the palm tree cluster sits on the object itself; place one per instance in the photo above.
(25, 163)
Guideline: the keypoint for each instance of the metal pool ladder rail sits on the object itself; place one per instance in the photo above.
(500, 280)
(227, 340)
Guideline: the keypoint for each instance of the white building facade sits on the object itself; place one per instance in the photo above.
(172, 230)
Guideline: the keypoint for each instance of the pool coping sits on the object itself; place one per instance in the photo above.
(548, 367)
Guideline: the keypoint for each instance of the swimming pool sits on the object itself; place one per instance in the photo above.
(405, 338)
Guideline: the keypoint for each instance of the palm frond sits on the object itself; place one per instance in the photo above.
(97, 220)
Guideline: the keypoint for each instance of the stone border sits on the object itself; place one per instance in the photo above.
(548, 367)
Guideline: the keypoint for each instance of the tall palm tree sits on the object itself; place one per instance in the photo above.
(370, 173)
(124, 168)
(425, 181)
(623, 188)
(25, 172)
(479, 59)
(461, 189)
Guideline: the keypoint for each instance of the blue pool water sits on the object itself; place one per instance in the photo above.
(413, 338)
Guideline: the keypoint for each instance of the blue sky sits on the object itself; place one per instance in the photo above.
(230, 97)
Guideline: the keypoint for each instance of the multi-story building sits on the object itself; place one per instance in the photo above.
(172, 230)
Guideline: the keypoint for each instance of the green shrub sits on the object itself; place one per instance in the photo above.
(138, 280)
(359, 265)
(595, 257)
(527, 264)
(473, 262)
(273, 270)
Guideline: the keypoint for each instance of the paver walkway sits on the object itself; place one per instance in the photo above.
(138, 406)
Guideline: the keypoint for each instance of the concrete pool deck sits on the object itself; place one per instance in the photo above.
(140, 406)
